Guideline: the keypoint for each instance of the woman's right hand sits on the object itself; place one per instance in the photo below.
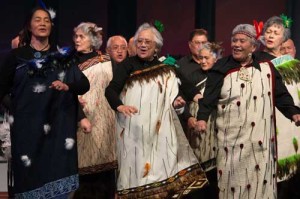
(127, 110)
(201, 126)
(86, 125)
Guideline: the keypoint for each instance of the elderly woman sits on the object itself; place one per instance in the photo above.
(44, 85)
(244, 92)
(96, 143)
(154, 157)
(275, 32)
(204, 144)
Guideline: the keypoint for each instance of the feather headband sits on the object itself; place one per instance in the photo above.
(50, 10)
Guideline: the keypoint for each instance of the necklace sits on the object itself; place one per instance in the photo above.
(37, 54)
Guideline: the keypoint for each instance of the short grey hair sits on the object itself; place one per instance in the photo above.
(93, 32)
(157, 36)
(214, 48)
(247, 30)
(108, 44)
(275, 20)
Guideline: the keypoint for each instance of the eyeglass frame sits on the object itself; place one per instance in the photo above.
(115, 48)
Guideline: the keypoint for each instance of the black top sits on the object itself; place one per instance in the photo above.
(128, 66)
(81, 58)
(187, 65)
(283, 100)
(44, 119)
(19, 55)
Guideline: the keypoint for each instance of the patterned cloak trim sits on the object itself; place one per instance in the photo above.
(181, 184)
(52, 189)
(148, 74)
(98, 168)
(288, 166)
(92, 61)
(290, 71)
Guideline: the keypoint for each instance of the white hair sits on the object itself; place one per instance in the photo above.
(93, 32)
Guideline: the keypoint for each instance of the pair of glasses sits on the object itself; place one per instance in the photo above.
(116, 48)
(146, 42)
(197, 43)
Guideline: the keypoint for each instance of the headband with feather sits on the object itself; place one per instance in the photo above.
(50, 10)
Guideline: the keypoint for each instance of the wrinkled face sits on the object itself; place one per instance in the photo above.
(288, 47)
(274, 37)
(117, 49)
(241, 47)
(82, 42)
(145, 45)
(40, 24)
(196, 44)
(207, 59)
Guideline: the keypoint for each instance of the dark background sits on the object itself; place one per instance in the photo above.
(179, 17)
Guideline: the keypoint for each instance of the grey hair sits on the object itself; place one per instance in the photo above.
(108, 44)
(215, 48)
(275, 20)
(157, 36)
(93, 32)
(247, 30)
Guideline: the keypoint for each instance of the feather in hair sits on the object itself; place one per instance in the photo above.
(159, 26)
(287, 22)
(52, 13)
(42, 4)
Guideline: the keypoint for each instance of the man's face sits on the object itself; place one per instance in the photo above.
(288, 47)
(196, 44)
(117, 49)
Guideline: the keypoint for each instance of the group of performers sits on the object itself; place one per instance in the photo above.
(150, 127)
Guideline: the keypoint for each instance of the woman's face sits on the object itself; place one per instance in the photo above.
(241, 47)
(40, 24)
(274, 36)
(207, 59)
(82, 42)
(145, 45)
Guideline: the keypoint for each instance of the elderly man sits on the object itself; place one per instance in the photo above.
(190, 63)
(288, 47)
(117, 48)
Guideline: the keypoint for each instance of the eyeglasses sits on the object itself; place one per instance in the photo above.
(147, 42)
(116, 48)
(197, 43)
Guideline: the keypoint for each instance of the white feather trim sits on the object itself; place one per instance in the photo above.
(47, 128)
(62, 50)
(39, 88)
(69, 143)
(61, 76)
(39, 63)
(26, 160)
